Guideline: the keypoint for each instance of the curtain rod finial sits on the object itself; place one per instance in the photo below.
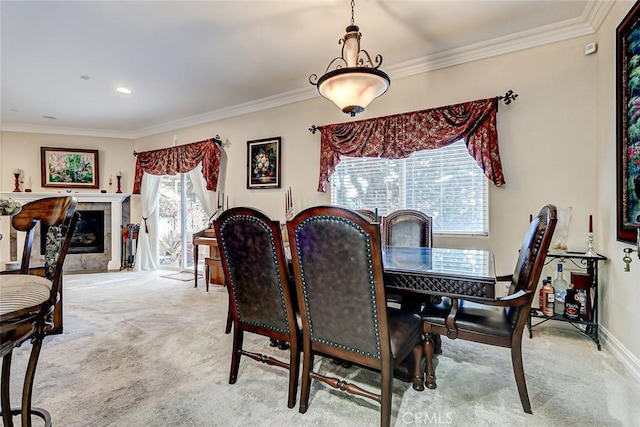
(313, 129)
(508, 97)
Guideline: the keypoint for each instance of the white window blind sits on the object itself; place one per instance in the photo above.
(445, 183)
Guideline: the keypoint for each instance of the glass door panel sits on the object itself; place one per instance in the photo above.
(181, 215)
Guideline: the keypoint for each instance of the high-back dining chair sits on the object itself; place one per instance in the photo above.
(499, 322)
(368, 213)
(256, 274)
(408, 227)
(337, 263)
(28, 301)
(412, 228)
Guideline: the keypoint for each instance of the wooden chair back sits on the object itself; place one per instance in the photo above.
(59, 213)
(337, 263)
(408, 227)
(257, 278)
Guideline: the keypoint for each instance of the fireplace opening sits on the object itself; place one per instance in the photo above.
(88, 237)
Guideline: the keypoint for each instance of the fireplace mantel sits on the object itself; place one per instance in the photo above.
(114, 199)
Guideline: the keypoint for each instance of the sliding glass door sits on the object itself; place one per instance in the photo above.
(181, 215)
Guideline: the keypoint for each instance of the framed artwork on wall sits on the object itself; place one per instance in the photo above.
(628, 125)
(263, 163)
(69, 167)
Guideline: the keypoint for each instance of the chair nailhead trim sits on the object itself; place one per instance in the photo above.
(262, 224)
(374, 313)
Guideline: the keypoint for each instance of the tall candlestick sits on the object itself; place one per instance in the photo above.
(530, 217)
(16, 181)
(590, 224)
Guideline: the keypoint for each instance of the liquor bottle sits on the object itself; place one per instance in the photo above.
(549, 296)
(542, 301)
(559, 283)
(571, 305)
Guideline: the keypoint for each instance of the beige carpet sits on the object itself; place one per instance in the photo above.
(142, 350)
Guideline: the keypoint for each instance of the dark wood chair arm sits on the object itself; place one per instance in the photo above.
(513, 300)
(518, 299)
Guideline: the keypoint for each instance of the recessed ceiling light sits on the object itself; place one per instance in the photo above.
(123, 89)
(85, 77)
(50, 117)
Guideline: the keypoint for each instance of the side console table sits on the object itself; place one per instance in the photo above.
(589, 264)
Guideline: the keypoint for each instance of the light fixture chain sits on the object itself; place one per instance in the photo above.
(353, 5)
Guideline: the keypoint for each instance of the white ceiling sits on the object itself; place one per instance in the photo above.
(190, 62)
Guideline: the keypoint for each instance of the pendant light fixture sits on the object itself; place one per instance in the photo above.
(352, 80)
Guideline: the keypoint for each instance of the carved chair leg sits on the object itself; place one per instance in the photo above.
(437, 344)
(294, 369)
(36, 344)
(385, 396)
(307, 365)
(430, 379)
(7, 420)
(418, 374)
(235, 357)
(518, 371)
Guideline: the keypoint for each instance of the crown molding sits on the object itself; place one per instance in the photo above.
(279, 100)
(589, 22)
(102, 133)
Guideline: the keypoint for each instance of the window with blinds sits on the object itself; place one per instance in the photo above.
(445, 183)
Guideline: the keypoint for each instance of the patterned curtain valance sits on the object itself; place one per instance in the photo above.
(180, 159)
(399, 135)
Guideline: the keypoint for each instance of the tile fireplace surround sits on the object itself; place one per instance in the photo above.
(111, 203)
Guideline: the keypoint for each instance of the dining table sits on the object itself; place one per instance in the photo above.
(439, 271)
(420, 273)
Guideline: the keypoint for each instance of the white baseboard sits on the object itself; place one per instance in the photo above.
(620, 352)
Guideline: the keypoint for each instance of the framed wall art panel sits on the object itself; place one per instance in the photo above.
(263, 163)
(628, 125)
(69, 167)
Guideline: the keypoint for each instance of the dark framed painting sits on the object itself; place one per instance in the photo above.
(263, 163)
(628, 125)
(69, 167)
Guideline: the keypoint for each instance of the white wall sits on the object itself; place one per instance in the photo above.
(22, 151)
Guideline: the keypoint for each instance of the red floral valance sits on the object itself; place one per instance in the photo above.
(180, 159)
(399, 135)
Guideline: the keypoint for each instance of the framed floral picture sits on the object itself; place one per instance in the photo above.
(628, 125)
(263, 163)
(69, 167)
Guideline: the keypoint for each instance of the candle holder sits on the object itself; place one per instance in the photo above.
(590, 252)
(16, 183)
(119, 178)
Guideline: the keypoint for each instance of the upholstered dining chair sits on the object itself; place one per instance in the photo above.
(337, 264)
(499, 322)
(256, 274)
(409, 228)
(28, 301)
(368, 213)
